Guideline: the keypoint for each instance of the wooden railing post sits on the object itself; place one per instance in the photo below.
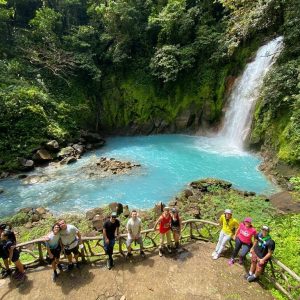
(41, 256)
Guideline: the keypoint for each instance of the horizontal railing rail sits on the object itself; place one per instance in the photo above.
(283, 278)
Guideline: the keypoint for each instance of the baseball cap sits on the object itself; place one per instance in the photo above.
(265, 227)
(248, 219)
(2, 226)
(174, 210)
(228, 211)
(113, 214)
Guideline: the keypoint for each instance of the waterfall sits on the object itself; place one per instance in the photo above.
(245, 92)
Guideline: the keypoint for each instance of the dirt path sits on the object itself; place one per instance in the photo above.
(192, 274)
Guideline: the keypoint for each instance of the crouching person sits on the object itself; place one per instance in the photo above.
(134, 228)
(11, 254)
(261, 253)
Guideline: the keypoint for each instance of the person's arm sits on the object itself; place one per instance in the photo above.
(236, 232)
(157, 222)
(254, 244)
(266, 257)
(118, 231)
(128, 227)
(47, 246)
(105, 236)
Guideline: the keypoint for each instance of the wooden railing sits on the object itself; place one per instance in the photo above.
(283, 278)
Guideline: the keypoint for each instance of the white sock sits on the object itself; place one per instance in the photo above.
(250, 273)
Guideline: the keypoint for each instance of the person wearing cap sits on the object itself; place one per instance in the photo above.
(229, 226)
(70, 238)
(134, 228)
(243, 239)
(110, 231)
(175, 226)
(261, 252)
(164, 222)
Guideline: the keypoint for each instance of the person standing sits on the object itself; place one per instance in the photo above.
(11, 254)
(243, 239)
(134, 228)
(110, 232)
(70, 239)
(261, 252)
(176, 226)
(53, 245)
(229, 226)
(164, 222)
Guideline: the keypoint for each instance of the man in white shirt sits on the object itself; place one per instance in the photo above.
(70, 238)
(134, 227)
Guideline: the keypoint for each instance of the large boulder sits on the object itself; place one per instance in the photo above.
(92, 137)
(209, 184)
(98, 221)
(26, 164)
(68, 160)
(41, 210)
(116, 207)
(187, 193)
(78, 148)
(42, 155)
(33, 179)
(90, 214)
(67, 151)
(52, 146)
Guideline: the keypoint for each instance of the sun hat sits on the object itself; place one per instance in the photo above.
(228, 211)
(166, 208)
(248, 219)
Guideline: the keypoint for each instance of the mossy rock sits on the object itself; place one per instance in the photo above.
(207, 184)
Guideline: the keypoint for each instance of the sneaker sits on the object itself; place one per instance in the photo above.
(169, 249)
(160, 253)
(108, 264)
(241, 261)
(70, 267)
(231, 262)
(214, 253)
(54, 276)
(216, 256)
(142, 253)
(251, 278)
(246, 276)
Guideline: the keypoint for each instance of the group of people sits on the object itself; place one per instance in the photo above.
(66, 237)
(247, 239)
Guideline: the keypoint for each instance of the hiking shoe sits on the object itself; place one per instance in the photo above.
(241, 260)
(214, 253)
(251, 278)
(70, 267)
(142, 253)
(160, 253)
(54, 276)
(231, 262)
(169, 249)
(246, 276)
(216, 256)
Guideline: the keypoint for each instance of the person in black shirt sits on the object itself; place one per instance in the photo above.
(261, 252)
(110, 228)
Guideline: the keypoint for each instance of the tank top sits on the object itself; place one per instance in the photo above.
(164, 225)
(175, 223)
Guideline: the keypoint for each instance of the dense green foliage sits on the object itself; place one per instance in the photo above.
(151, 65)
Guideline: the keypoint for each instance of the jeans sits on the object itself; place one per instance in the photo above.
(223, 239)
(238, 245)
(109, 247)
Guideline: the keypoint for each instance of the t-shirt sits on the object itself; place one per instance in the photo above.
(245, 234)
(229, 226)
(134, 226)
(111, 228)
(6, 245)
(53, 241)
(69, 236)
(263, 245)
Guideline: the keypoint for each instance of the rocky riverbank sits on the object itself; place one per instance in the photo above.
(205, 199)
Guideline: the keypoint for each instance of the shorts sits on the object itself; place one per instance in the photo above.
(259, 266)
(175, 229)
(15, 257)
(74, 250)
(56, 253)
(130, 241)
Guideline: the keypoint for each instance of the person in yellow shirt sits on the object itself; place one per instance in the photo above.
(229, 226)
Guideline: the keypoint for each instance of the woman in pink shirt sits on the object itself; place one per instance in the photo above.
(243, 239)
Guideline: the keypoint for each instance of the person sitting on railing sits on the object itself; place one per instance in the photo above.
(229, 226)
(164, 222)
(243, 239)
(11, 254)
(134, 228)
(53, 245)
(176, 226)
(261, 252)
(70, 238)
(110, 229)
(6, 272)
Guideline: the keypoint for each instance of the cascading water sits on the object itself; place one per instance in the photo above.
(245, 92)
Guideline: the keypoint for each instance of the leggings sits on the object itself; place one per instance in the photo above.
(238, 245)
